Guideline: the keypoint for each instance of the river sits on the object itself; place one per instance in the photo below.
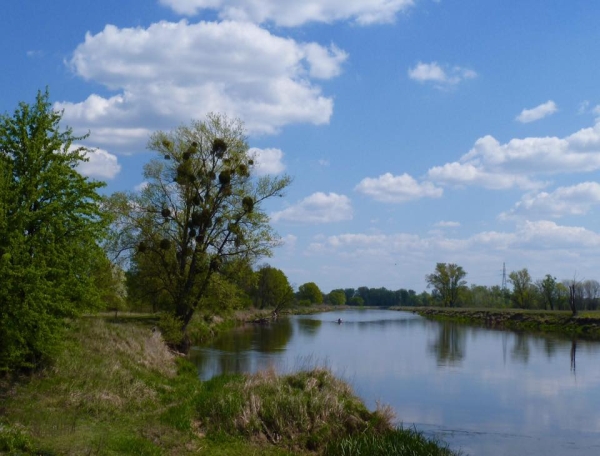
(484, 392)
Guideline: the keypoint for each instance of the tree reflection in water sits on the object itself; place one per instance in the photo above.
(573, 355)
(309, 326)
(449, 347)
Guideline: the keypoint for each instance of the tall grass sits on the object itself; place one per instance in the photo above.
(396, 442)
(300, 411)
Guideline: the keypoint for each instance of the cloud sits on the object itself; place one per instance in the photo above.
(317, 208)
(537, 113)
(168, 73)
(583, 107)
(574, 200)
(141, 186)
(402, 259)
(469, 174)
(529, 237)
(541, 235)
(520, 162)
(397, 189)
(35, 54)
(447, 224)
(441, 78)
(295, 13)
(100, 164)
(267, 161)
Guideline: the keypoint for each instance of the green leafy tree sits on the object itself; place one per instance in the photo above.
(200, 211)
(591, 289)
(273, 289)
(110, 280)
(523, 291)
(50, 224)
(549, 292)
(310, 292)
(356, 301)
(448, 282)
(337, 297)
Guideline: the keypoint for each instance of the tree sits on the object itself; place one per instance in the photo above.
(591, 290)
(356, 301)
(273, 289)
(337, 297)
(199, 212)
(448, 283)
(522, 288)
(50, 224)
(549, 292)
(310, 292)
(575, 294)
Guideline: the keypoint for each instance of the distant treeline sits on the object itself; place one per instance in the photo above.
(365, 296)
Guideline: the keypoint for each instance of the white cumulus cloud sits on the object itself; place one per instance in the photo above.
(521, 162)
(267, 161)
(168, 73)
(442, 77)
(572, 200)
(100, 164)
(317, 208)
(397, 189)
(296, 13)
(537, 113)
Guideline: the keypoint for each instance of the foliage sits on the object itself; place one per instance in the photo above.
(50, 221)
(523, 290)
(310, 292)
(273, 289)
(336, 297)
(356, 301)
(482, 296)
(109, 279)
(448, 283)
(549, 292)
(199, 212)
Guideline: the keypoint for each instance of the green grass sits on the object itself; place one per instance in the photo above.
(397, 442)
(107, 393)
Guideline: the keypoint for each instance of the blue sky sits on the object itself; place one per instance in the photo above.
(416, 131)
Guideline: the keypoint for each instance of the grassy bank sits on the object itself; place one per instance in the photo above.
(116, 389)
(586, 325)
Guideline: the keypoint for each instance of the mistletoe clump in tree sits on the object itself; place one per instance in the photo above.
(199, 212)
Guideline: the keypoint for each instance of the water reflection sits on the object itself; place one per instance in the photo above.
(449, 347)
(487, 392)
(520, 351)
(573, 355)
(309, 326)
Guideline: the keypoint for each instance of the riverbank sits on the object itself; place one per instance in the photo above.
(115, 388)
(585, 326)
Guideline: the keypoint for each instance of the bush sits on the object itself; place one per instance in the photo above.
(170, 328)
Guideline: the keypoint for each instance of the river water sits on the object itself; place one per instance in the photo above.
(484, 392)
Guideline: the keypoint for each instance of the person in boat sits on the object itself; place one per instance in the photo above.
(339, 321)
